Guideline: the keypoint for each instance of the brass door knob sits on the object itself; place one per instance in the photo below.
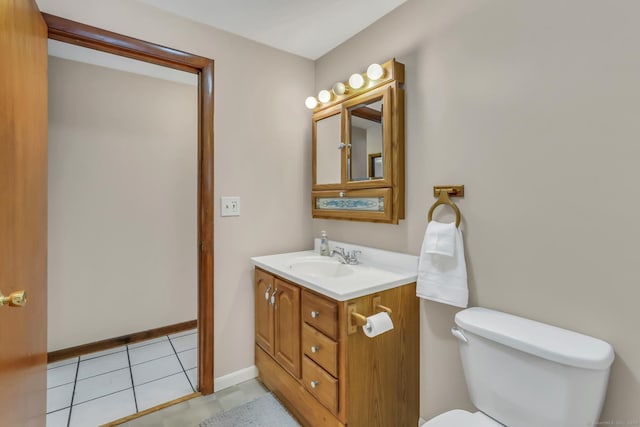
(15, 299)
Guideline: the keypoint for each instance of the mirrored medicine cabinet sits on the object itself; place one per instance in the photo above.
(358, 151)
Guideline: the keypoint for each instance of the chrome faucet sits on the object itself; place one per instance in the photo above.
(350, 257)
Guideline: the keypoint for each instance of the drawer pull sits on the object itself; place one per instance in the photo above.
(266, 294)
(273, 297)
(315, 314)
(315, 349)
(315, 384)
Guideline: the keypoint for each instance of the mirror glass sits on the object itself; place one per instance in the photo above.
(366, 141)
(328, 151)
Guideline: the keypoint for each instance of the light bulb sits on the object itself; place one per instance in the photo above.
(356, 81)
(324, 96)
(311, 102)
(339, 88)
(375, 71)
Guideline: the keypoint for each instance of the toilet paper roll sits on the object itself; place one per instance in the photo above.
(377, 324)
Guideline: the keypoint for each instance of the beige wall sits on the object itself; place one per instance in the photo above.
(532, 105)
(529, 104)
(122, 203)
(261, 125)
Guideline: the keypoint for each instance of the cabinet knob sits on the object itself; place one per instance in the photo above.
(315, 349)
(341, 145)
(315, 314)
(315, 384)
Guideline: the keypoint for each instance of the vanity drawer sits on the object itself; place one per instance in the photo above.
(320, 349)
(320, 313)
(320, 384)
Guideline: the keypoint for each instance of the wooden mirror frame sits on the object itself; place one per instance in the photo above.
(359, 195)
(79, 34)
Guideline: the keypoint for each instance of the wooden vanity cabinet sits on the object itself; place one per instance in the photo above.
(346, 378)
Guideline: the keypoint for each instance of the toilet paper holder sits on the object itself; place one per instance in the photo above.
(356, 319)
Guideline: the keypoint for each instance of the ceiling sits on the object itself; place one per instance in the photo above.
(309, 28)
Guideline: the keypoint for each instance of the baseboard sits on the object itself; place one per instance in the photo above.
(234, 378)
(65, 353)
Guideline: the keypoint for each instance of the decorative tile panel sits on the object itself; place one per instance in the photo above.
(372, 204)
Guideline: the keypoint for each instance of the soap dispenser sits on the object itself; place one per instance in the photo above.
(324, 243)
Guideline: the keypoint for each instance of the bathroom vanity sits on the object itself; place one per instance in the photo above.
(311, 353)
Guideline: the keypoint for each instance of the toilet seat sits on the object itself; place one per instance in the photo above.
(458, 417)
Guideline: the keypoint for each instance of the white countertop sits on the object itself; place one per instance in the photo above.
(378, 270)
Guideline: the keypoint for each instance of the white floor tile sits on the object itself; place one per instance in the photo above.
(189, 359)
(103, 352)
(150, 352)
(59, 397)
(155, 369)
(162, 390)
(61, 375)
(183, 333)
(101, 385)
(100, 411)
(58, 419)
(100, 365)
(192, 374)
(185, 342)
(62, 362)
(147, 342)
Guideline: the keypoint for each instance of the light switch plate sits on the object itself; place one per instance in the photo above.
(230, 206)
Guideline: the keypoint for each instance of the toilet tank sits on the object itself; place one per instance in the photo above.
(524, 373)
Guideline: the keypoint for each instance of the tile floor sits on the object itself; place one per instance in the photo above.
(192, 412)
(96, 388)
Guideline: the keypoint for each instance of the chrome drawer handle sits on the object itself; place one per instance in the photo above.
(273, 297)
(315, 314)
(315, 384)
(266, 294)
(315, 349)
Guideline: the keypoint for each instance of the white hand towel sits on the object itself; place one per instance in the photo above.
(440, 238)
(443, 278)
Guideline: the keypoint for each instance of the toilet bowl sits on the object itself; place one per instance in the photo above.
(458, 417)
(523, 373)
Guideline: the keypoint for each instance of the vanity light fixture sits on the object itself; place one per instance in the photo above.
(311, 102)
(339, 88)
(375, 72)
(356, 81)
(324, 96)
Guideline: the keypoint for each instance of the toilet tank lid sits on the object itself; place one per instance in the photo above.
(536, 338)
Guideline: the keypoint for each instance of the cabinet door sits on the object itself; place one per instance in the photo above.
(369, 139)
(329, 149)
(287, 326)
(265, 333)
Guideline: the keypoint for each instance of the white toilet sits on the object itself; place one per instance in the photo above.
(523, 373)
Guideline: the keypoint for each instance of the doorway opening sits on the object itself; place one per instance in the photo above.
(81, 35)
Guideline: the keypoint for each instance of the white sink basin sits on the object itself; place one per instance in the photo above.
(320, 267)
(377, 271)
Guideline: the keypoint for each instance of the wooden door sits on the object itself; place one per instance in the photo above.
(287, 326)
(23, 212)
(264, 311)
